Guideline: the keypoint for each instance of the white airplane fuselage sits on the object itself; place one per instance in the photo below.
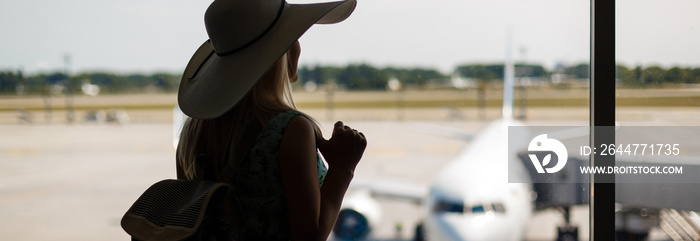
(471, 199)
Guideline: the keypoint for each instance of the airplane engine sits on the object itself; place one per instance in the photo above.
(359, 214)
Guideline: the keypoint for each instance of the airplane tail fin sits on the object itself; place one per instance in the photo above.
(508, 78)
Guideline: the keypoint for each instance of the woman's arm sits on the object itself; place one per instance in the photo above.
(313, 210)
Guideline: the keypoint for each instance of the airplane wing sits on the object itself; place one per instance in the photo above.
(405, 190)
(360, 212)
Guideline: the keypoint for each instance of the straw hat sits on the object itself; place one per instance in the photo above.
(246, 37)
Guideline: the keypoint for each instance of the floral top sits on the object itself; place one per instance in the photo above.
(258, 184)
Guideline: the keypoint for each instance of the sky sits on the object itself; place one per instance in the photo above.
(161, 35)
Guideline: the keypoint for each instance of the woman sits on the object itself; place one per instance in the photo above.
(236, 88)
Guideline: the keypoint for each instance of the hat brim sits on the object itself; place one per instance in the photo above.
(213, 84)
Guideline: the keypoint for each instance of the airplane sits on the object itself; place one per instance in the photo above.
(469, 199)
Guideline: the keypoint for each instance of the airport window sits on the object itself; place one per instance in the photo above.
(428, 91)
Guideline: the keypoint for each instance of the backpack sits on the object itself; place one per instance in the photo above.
(190, 210)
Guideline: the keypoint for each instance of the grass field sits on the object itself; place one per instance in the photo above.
(367, 105)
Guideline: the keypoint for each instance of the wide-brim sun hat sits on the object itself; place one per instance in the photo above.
(246, 37)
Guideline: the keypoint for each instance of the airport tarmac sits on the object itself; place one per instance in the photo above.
(74, 182)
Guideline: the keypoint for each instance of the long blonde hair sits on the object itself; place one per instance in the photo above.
(218, 138)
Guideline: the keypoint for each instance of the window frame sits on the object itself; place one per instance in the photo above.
(602, 117)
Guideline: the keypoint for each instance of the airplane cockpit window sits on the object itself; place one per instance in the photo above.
(498, 207)
(442, 206)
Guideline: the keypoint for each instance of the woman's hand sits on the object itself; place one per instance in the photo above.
(345, 147)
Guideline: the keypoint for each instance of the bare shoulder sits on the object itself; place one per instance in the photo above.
(298, 144)
(299, 124)
(299, 133)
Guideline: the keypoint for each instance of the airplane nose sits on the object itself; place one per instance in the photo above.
(469, 226)
(460, 221)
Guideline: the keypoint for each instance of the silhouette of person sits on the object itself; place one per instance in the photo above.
(238, 83)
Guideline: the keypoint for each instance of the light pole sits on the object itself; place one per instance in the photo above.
(69, 89)
(395, 85)
(330, 89)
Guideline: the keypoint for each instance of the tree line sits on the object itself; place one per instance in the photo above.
(111, 83)
(366, 77)
(351, 77)
(655, 75)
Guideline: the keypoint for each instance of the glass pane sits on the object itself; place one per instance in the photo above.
(88, 111)
(422, 85)
(87, 92)
(657, 102)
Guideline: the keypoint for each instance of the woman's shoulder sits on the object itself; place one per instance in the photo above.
(285, 119)
(301, 123)
(283, 116)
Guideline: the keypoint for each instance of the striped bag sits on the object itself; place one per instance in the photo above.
(182, 210)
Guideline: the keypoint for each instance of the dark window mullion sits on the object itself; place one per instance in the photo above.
(602, 120)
